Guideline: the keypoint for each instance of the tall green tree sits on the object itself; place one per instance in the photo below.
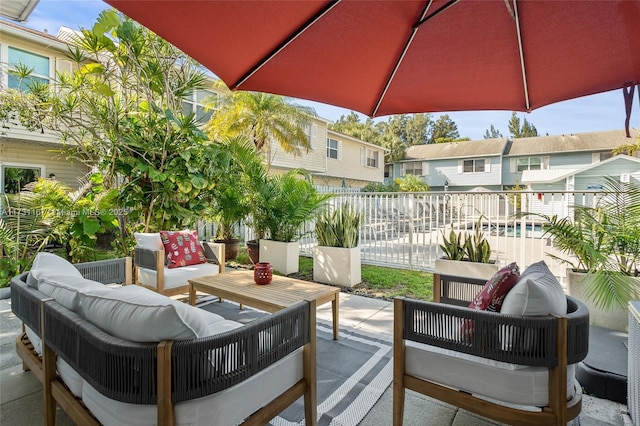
(122, 109)
(525, 130)
(412, 129)
(262, 117)
(492, 133)
(351, 125)
(444, 130)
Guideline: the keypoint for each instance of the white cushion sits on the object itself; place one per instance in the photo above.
(68, 375)
(537, 292)
(150, 241)
(47, 264)
(177, 277)
(228, 407)
(66, 289)
(73, 380)
(141, 315)
(483, 377)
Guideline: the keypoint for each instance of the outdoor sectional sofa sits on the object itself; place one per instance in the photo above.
(517, 369)
(119, 355)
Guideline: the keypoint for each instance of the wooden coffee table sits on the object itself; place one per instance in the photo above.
(238, 286)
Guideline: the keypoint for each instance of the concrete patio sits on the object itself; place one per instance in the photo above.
(21, 394)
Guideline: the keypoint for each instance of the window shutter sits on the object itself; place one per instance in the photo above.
(340, 150)
(363, 156)
(312, 135)
(460, 166)
(63, 66)
(425, 168)
(595, 157)
(487, 165)
(513, 164)
(545, 162)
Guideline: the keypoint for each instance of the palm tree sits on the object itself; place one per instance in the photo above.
(262, 117)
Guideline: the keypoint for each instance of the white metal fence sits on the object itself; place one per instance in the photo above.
(405, 230)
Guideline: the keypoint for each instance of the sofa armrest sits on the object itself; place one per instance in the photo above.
(458, 291)
(111, 271)
(215, 252)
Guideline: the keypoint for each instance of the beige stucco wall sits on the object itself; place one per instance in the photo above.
(44, 155)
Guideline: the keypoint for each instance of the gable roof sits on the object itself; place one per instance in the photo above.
(549, 176)
(593, 141)
(467, 149)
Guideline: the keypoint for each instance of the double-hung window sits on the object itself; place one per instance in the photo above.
(38, 64)
(333, 147)
(473, 166)
(196, 104)
(369, 157)
(529, 163)
(413, 168)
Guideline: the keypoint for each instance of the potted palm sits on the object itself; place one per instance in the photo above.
(601, 245)
(468, 256)
(336, 259)
(282, 205)
(232, 195)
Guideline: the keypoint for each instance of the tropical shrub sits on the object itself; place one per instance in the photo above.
(339, 228)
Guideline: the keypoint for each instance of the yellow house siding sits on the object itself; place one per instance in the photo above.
(53, 161)
(348, 164)
(314, 161)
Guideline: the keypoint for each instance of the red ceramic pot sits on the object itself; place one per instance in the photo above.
(262, 273)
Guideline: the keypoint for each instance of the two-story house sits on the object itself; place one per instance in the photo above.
(26, 155)
(497, 164)
(459, 166)
(334, 160)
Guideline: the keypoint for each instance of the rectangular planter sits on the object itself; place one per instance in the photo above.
(615, 319)
(282, 256)
(463, 268)
(337, 265)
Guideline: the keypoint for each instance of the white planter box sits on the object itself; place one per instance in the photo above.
(337, 265)
(282, 256)
(462, 268)
(615, 319)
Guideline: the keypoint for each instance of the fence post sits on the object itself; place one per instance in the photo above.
(411, 202)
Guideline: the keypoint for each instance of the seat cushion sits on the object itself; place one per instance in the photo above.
(509, 383)
(228, 407)
(47, 264)
(182, 248)
(140, 315)
(177, 277)
(537, 292)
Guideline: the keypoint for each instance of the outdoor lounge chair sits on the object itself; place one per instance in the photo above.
(504, 367)
(153, 273)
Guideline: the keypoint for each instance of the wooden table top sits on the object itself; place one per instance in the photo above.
(282, 292)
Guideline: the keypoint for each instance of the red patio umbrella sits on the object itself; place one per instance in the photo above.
(388, 57)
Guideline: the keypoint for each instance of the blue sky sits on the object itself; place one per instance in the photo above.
(604, 111)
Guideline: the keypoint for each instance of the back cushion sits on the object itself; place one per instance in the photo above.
(137, 314)
(66, 290)
(538, 292)
(47, 264)
(182, 248)
(149, 241)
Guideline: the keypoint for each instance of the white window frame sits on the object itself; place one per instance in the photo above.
(337, 149)
(369, 156)
(521, 166)
(413, 167)
(194, 102)
(4, 60)
(476, 164)
(3, 165)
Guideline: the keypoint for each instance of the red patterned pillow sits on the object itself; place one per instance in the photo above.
(492, 295)
(182, 248)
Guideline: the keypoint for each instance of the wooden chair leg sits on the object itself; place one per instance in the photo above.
(310, 372)
(398, 363)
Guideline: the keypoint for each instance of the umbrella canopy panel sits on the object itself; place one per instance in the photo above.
(389, 57)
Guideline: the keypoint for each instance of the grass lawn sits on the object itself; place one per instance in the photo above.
(377, 281)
